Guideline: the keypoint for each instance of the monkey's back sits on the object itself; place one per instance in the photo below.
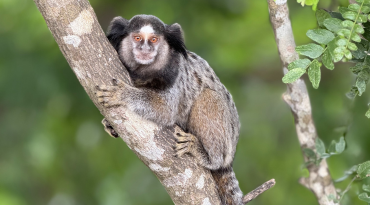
(206, 107)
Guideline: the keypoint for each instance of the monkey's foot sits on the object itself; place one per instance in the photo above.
(110, 96)
(109, 129)
(186, 143)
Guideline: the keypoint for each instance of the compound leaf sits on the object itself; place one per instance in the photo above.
(311, 50)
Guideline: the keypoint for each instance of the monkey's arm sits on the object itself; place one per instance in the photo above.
(147, 103)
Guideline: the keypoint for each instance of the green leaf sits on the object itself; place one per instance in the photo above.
(363, 170)
(362, 18)
(358, 29)
(348, 54)
(333, 24)
(354, 7)
(342, 42)
(300, 63)
(331, 148)
(305, 173)
(361, 85)
(343, 10)
(309, 153)
(336, 15)
(365, 9)
(350, 15)
(362, 47)
(357, 68)
(355, 37)
(340, 146)
(320, 147)
(367, 114)
(325, 155)
(321, 15)
(311, 50)
(361, 81)
(352, 47)
(327, 60)
(333, 198)
(332, 46)
(353, 93)
(321, 36)
(293, 75)
(338, 54)
(347, 174)
(314, 73)
(347, 23)
(337, 147)
(344, 33)
(364, 197)
(366, 187)
(312, 3)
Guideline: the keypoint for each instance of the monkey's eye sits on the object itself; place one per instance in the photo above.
(137, 38)
(154, 40)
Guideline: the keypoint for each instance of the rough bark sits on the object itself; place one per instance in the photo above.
(296, 96)
(82, 41)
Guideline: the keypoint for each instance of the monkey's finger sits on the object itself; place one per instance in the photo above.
(117, 82)
(181, 146)
(103, 94)
(181, 152)
(106, 88)
(112, 103)
(184, 134)
(182, 139)
(104, 99)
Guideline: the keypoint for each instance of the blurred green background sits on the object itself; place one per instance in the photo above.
(54, 151)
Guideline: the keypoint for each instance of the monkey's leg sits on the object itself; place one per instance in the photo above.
(214, 126)
(212, 141)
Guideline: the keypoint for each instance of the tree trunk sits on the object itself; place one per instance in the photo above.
(296, 96)
(83, 43)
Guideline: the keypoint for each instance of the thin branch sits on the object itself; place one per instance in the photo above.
(259, 190)
(296, 96)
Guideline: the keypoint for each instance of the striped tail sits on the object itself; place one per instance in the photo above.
(228, 186)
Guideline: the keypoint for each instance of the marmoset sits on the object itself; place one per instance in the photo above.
(172, 85)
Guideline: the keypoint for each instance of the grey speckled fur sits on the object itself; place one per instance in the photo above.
(179, 87)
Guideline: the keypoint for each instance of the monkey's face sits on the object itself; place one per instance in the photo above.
(145, 45)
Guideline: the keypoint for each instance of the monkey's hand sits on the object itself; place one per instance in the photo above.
(185, 143)
(110, 96)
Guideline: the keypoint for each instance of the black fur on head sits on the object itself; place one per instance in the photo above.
(117, 31)
(119, 28)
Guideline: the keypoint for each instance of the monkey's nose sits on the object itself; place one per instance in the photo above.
(145, 48)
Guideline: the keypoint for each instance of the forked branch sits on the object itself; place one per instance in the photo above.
(296, 96)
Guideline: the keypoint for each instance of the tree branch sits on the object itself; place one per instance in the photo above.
(296, 96)
(82, 41)
(259, 190)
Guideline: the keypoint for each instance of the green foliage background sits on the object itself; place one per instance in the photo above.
(53, 149)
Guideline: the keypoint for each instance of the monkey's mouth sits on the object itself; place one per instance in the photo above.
(144, 58)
